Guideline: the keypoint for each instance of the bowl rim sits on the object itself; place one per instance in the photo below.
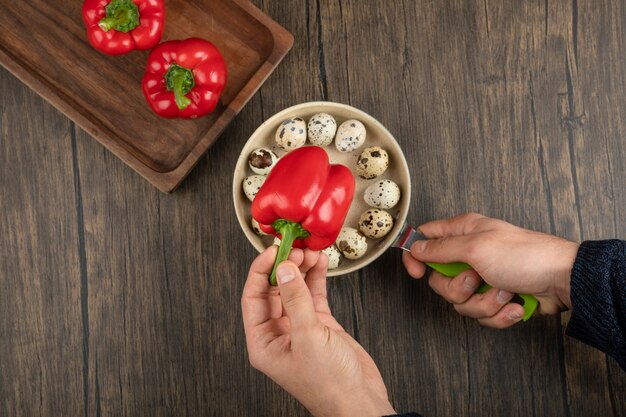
(400, 220)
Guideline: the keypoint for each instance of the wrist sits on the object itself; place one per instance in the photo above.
(346, 404)
(365, 406)
(562, 282)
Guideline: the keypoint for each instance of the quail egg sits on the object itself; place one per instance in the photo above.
(252, 185)
(322, 128)
(350, 136)
(262, 160)
(375, 223)
(351, 243)
(372, 162)
(256, 228)
(334, 256)
(291, 134)
(383, 194)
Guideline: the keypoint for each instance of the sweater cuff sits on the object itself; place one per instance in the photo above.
(598, 294)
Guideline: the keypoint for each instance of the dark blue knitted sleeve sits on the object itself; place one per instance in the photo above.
(598, 294)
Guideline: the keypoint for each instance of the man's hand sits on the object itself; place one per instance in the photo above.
(509, 258)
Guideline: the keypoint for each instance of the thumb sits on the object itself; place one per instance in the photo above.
(442, 250)
(455, 226)
(295, 296)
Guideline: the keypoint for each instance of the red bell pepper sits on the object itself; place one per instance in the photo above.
(184, 78)
(304, 201)
(119, 26)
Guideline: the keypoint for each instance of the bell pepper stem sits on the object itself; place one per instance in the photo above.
(121, 15)
(181, 100)
(289, 231)
(181, 81)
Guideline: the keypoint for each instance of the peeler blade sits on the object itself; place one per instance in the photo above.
(407, 237)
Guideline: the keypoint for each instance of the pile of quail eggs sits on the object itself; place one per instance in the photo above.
(380, 195)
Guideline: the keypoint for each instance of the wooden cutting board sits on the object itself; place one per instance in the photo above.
(44, 44)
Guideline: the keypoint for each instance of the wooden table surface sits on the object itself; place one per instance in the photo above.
(118, 300)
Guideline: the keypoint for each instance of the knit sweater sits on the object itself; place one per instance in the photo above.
(598, 295)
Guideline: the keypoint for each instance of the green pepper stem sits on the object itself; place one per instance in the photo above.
(121, 15)
(180, 80)
(289, 231)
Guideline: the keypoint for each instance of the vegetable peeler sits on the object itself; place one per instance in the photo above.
(408, 235)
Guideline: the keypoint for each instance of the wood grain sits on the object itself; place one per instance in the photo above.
(41, 322)
(118, 300)
(103, 93)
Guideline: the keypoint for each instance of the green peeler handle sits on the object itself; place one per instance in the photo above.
(455, 268)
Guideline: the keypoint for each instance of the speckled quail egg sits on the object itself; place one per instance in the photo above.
(291, 134)
(375, 223)
(383, 194)
(252, 185)
(334, 256)
(351, 243)
(262, 160)
(322, 128)
(372, 162)
(256, 228)
(350, 136)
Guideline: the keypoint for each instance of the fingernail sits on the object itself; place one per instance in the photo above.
(284, 274)
(470, 283)
(514, 316)
(503, 297)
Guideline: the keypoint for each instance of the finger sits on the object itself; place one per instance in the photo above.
(296, 256)
(507, 316)
(264, 342)
(482, 306)
(316, 282)
(310, 258)
(255, 299)
(276, 305)
(415, 268)
(261, 267)
(264, 334)
(455, 226)
(445, 250)
(455, 290)
(296, 298)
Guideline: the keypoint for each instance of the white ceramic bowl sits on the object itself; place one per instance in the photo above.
(377, 135)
